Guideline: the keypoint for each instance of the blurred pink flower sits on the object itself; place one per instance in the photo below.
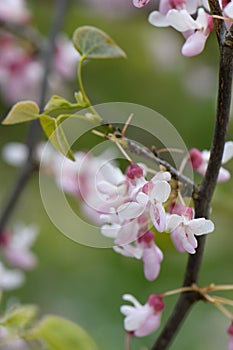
(230, 332)
(15, 246)
(14, 11)
(10, 279)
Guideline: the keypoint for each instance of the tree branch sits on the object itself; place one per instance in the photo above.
(146, 153)
(34, 129)
(203, 201)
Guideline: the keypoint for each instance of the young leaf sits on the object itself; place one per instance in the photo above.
(57, 102)
(56, 135)
(61, 334)
(93, 43)
(20, 316)
(22, 112)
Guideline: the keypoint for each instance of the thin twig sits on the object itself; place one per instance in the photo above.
(34, 129)
(146, 153)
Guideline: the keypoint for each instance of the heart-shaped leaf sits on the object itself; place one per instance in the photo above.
(56, 136)
(93, 43)
(22, 112)
(61, 334)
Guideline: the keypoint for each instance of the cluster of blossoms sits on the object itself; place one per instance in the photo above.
(21, 68)
(15, 250)
(130, 209)
(190, 17)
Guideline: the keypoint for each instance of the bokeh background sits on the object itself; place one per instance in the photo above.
(86, 284)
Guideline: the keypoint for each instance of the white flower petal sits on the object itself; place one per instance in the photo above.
(228, 10)
(151, 324)
(181, 20)
(131, 299)
(228, 149)
(158, 20)
(15, 153)
(110, 231)
(173, 221)
(224, 175)
(130, 210)
(195, 44)
(162, 176)
(160, 192)
(128, 233)
(200, 226)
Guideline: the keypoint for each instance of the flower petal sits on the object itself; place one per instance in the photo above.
(130, 210)
(173, 221)
(127, 233)
(152, 257)
(224, 175)
(158, 217)
(181, 20)
(158, 20)
(200, 226)
(160, 191)
(228, 149)
(194, 45)
(151, 324)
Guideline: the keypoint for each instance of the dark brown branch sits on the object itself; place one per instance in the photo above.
(146, 153)
(34, 129)
(203, 201)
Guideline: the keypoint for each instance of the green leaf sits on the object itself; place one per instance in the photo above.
(19, 316)
(93, 43)
(61, 334)
(22, 112)
(57, 102)
(56, 136)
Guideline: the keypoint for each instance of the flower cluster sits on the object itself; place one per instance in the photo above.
(129, 208)
(21, 68)
(15, 249)
(190, 17)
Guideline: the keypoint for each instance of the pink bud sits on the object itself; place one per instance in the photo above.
(156, 301)
(134, 171)
(230, 330)
(147, 237)
(196, 158)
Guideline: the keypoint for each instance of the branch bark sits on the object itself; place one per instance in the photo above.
(205, 194)
(34, 129)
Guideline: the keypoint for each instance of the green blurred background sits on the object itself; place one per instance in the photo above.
(86, 284)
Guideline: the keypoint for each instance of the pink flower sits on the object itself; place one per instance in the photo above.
(196, 31)
(65, 58)
(230, 332)
(184, 228)
(15, 246)
(146, 249)
(14, 11)
(142, 320)
(149, 198)
(199, 161)
(160, 18)
(10, 279)
(140, 3)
